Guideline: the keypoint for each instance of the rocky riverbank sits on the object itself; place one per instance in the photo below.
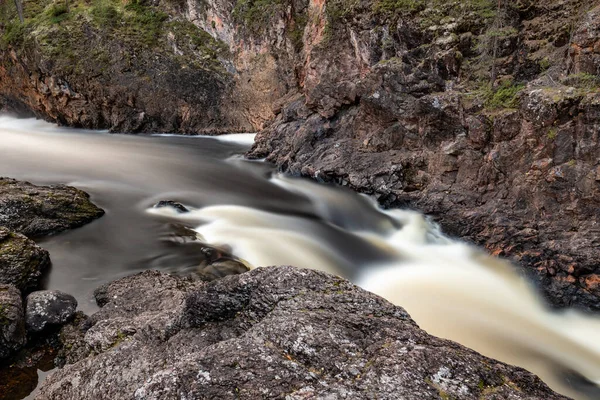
(29, 318)
(269, 333)
(273, 332)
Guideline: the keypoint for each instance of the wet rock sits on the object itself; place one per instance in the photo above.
(21, 260)
(219, 263)
(43, 210)
(12, 326)
(270, 333)
(48, 308)
(173, 204)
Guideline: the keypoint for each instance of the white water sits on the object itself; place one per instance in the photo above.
(450, 289)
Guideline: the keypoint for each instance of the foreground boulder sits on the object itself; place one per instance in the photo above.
(48, 308)
(44, 210)
(21, 260)
(270, 333)
(12, 328)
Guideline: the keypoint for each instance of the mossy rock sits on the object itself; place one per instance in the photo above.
(12, 328)
(43, 210)
(21, 261)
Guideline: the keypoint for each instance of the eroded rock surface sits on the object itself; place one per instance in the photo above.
(397, 103)
(12, 326)
(48, 308)
(44, 210)
(21, 260)
(270, 333)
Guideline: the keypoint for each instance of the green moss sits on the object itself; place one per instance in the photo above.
(205, 49)
(551, 135)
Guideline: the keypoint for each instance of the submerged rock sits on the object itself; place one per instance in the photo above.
(271, 333)
(21, 260)
(48, 308)
(44, 210)
(173, 204)
(12, 327)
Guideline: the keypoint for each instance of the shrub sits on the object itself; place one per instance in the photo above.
(14, 34)
(145, 21)
(506, 95)
(255, 14)
(583, 80)
(58, 12)
(398, 6)
(105, 14)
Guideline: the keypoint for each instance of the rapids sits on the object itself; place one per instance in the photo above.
(451, 289)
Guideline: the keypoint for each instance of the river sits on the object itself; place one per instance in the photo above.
(263, 218)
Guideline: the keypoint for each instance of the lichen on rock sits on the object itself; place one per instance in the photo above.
(273, 332)
(44, 210)
(21, 260)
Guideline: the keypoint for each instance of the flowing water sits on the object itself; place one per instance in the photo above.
(452, 290)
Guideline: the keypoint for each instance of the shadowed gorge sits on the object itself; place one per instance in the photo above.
(444, 155)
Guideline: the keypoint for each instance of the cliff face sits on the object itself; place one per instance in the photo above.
(397, 102)
(485, 118)
(127, 67)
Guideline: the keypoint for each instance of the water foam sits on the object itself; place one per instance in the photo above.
(451, 289)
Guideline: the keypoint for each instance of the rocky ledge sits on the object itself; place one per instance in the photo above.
(44, 210)
(276, 332)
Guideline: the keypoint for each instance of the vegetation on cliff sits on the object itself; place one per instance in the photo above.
(63, 33)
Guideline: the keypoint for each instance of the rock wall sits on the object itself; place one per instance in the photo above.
(403, 109)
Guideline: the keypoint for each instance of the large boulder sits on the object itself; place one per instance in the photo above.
(12, 327)
(21, 260)
(43, 210)
(48, 308)
(277, 332)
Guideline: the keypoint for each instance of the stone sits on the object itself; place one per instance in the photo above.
(12, 324)
(48, 308)
(173, 204)
(21, 260)
(43, 210)
(276, 332)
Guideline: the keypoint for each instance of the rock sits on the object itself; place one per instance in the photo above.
(277, 332)
(43, 210)
(173, 204)
(48, 308)
(21, 260)
(414, 133)
(12, 326)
